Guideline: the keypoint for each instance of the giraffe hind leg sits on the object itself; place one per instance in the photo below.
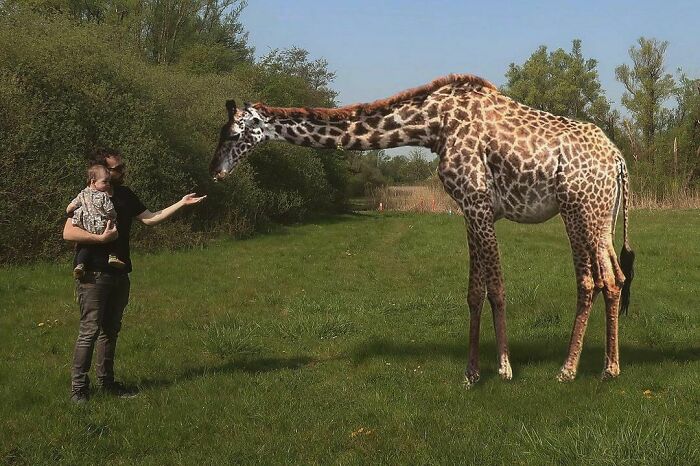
(614, 279)
(584, 246)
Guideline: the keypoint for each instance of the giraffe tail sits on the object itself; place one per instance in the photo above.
(627, 255)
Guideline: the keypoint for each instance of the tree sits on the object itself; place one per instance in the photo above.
(560, 82)
(365, 172)
(686, 126)
(206, 34)
(170, 26)
(648, 87)
(295, 62)
(417, 168)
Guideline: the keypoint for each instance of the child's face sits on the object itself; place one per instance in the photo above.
(101, 183)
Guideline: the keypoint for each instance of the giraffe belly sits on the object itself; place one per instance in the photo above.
(531, 206)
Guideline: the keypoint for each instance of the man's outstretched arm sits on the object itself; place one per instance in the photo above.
(154, 218)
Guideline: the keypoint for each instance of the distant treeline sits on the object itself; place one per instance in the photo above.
(375, 168)
(150, 78)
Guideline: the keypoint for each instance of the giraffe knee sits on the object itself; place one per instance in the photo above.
(612, 289)
(497, 299)
(620, 279)
(475, 299)
(586, 285)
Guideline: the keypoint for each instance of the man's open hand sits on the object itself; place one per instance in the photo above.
(191, 198)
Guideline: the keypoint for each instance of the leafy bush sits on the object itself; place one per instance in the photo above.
(66, 88)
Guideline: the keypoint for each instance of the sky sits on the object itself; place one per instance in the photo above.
(378, 48)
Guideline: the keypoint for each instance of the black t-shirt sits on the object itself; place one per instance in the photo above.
(128, 206)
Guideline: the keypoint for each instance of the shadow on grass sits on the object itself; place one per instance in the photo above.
(250, 366)
(522, 353)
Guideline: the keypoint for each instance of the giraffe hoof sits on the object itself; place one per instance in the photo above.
(610, 373)
(505, 372)
(470, 378)
(566, 375)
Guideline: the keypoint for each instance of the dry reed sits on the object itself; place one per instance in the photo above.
(431, 197)
(670, 199)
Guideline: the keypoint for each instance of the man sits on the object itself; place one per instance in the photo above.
(103, 291)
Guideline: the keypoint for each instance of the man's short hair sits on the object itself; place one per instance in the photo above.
(95, 171)
(98, 156)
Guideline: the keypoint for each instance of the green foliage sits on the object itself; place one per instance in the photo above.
(294, 64)
(163, 30)
(374, 168)
(664, 141)
(365, 172)
(66, 87)
(561, 83)
(648, 87)
(685, 128)
(294, 181)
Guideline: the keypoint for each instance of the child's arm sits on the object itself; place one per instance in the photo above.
(74, 204)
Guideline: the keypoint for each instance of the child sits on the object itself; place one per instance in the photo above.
(92, 208)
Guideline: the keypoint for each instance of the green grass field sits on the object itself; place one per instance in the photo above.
(344, 342)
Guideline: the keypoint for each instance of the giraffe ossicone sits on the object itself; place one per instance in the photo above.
(498, 159)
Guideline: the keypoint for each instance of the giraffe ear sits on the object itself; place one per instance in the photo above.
(231, 108)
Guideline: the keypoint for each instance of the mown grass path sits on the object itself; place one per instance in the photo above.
(344, 342)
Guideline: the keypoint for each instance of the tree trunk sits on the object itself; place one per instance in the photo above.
(675, 157)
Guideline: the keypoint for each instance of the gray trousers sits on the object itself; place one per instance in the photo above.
(102, 298)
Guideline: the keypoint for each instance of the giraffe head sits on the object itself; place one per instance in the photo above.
(242, 132)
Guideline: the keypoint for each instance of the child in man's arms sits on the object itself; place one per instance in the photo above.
(92, 209)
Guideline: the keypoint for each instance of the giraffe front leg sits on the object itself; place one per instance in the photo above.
(497, 300)
(475, 301)
(484, 238)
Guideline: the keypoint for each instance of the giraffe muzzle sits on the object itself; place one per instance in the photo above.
(218, 176)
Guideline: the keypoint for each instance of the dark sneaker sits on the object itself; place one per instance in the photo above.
(79, 271)
(120, 390)
(79, 397)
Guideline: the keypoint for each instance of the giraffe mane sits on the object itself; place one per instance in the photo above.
(350, 110)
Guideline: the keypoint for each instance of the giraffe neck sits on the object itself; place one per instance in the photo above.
(414, 122)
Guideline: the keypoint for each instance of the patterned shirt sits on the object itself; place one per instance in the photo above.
(95, 208)
(128, 207)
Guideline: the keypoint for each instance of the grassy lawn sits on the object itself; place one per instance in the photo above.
(345, 341)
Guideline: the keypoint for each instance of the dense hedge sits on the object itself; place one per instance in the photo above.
(66, 88)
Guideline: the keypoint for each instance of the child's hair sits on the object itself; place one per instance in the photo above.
(95, 171)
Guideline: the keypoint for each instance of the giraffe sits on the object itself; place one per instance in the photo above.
(497, 159)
